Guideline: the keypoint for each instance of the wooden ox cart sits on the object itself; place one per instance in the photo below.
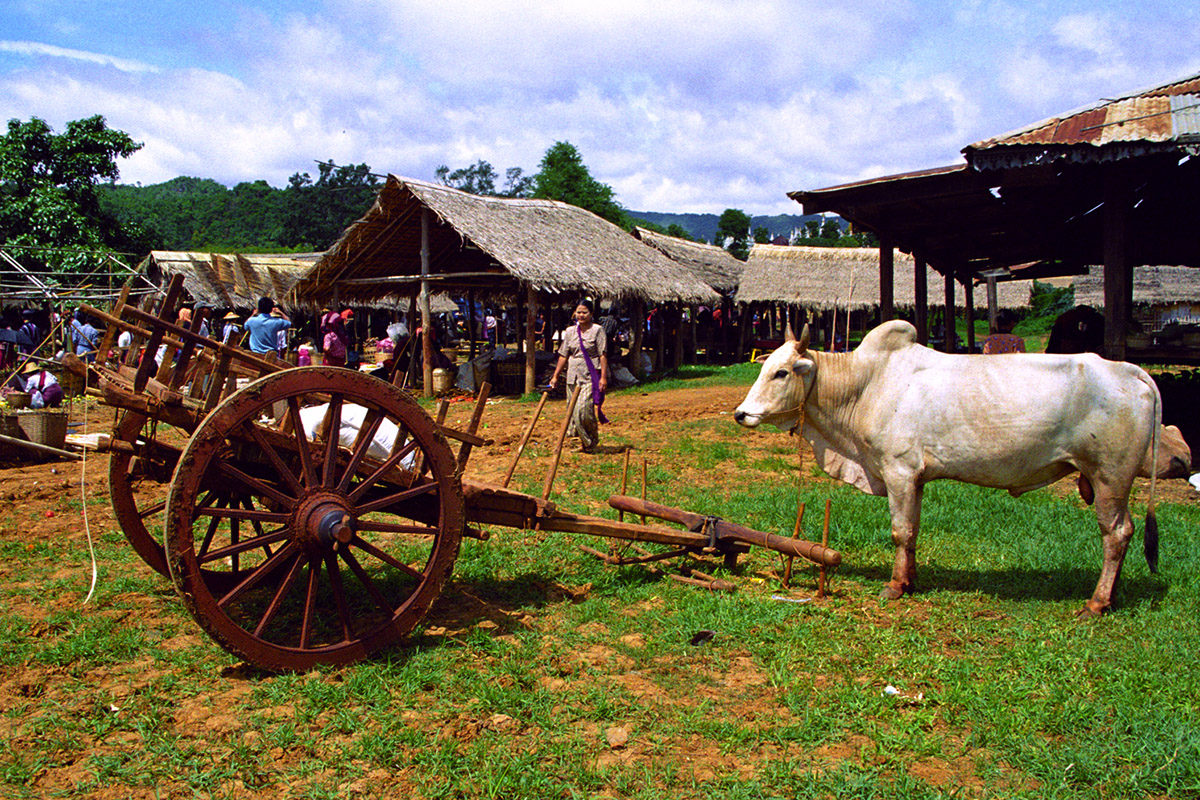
(311, 515)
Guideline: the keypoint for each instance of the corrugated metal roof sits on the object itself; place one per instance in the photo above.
(1163, 114)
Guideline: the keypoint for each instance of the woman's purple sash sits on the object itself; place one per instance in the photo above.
(597, 395)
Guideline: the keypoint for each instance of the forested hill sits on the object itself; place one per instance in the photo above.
(704, 226)
(202, 214)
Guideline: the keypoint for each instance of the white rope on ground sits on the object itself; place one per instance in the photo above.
(83, 499)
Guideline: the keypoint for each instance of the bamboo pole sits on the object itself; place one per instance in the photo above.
(525, 438)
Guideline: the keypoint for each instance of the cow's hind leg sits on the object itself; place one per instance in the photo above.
(1116, 528)
(904, 503)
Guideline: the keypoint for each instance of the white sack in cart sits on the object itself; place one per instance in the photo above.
(353, 417)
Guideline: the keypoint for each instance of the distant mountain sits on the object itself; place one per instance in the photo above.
(704, 226)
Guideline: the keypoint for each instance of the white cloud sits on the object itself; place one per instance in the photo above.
(686, 106)
(49, 50)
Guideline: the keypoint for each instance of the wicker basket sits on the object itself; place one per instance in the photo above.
(9, 426)
(47, 426)
(18, 400)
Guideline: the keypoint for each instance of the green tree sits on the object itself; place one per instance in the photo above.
(318, 212)
(48, 191)
(762, 235)
(679, 232)
(480, 178)
(831, 229)
(563, 176)
(733, 229)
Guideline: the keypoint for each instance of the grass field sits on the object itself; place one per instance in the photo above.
(543, 673)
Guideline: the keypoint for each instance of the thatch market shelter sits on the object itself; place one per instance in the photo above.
(420, 235)
(712, 264)
(829, 280)
(1115, 183)
(233, 280)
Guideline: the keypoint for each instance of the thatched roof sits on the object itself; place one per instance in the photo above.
(822, 278)
(1151, 285)
(494, 246)
(230, 281)
(711, 264)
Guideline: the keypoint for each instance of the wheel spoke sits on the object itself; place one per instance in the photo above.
(302, 443)
(332, 427)
(399, 497)
(274, 457)
(392, 461)
(250, 514)
(339, 594)
(365, 579)
(366, 436)
(246, 544)
(310, 604)
(255, 485)
(386, 558)
(280, 593)
(212, 525)
(256, 576)
(151, 510)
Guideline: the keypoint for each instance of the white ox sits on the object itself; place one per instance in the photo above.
(893, 415)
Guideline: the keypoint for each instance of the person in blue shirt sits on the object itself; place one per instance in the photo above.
(264, 328)
(84, 336)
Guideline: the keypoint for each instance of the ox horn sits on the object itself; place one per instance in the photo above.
(788, 334)
(802, 345)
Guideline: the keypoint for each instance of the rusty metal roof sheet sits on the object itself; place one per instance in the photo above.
(1167, 114)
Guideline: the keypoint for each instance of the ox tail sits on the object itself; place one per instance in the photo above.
(1150, 536)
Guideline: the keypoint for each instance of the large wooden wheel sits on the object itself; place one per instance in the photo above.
(293, 545)
(139, 476)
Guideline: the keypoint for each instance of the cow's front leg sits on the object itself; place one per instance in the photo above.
(904, 501)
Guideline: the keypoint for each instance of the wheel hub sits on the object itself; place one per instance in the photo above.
(324, 522)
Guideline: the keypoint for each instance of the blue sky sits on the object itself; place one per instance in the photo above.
(679, 106)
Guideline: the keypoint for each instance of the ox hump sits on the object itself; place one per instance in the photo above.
(893, 335)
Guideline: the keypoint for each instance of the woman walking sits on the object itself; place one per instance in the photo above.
(582, 354)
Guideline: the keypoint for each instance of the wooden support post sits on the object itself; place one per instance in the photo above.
(887, 281)
(426, 316)
(562, 437)
(1118, 266)
(948, 314)
(969, 313)
(991, 303)
(530, 339)
(638, 320)
(921, 289)
(471, 323)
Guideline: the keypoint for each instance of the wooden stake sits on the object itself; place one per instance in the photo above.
(562, 437)
(787, 570)
(624, 484)
(643, 486)
(525, 438)
(824, 543)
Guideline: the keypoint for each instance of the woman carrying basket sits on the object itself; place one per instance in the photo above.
(583, 355)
